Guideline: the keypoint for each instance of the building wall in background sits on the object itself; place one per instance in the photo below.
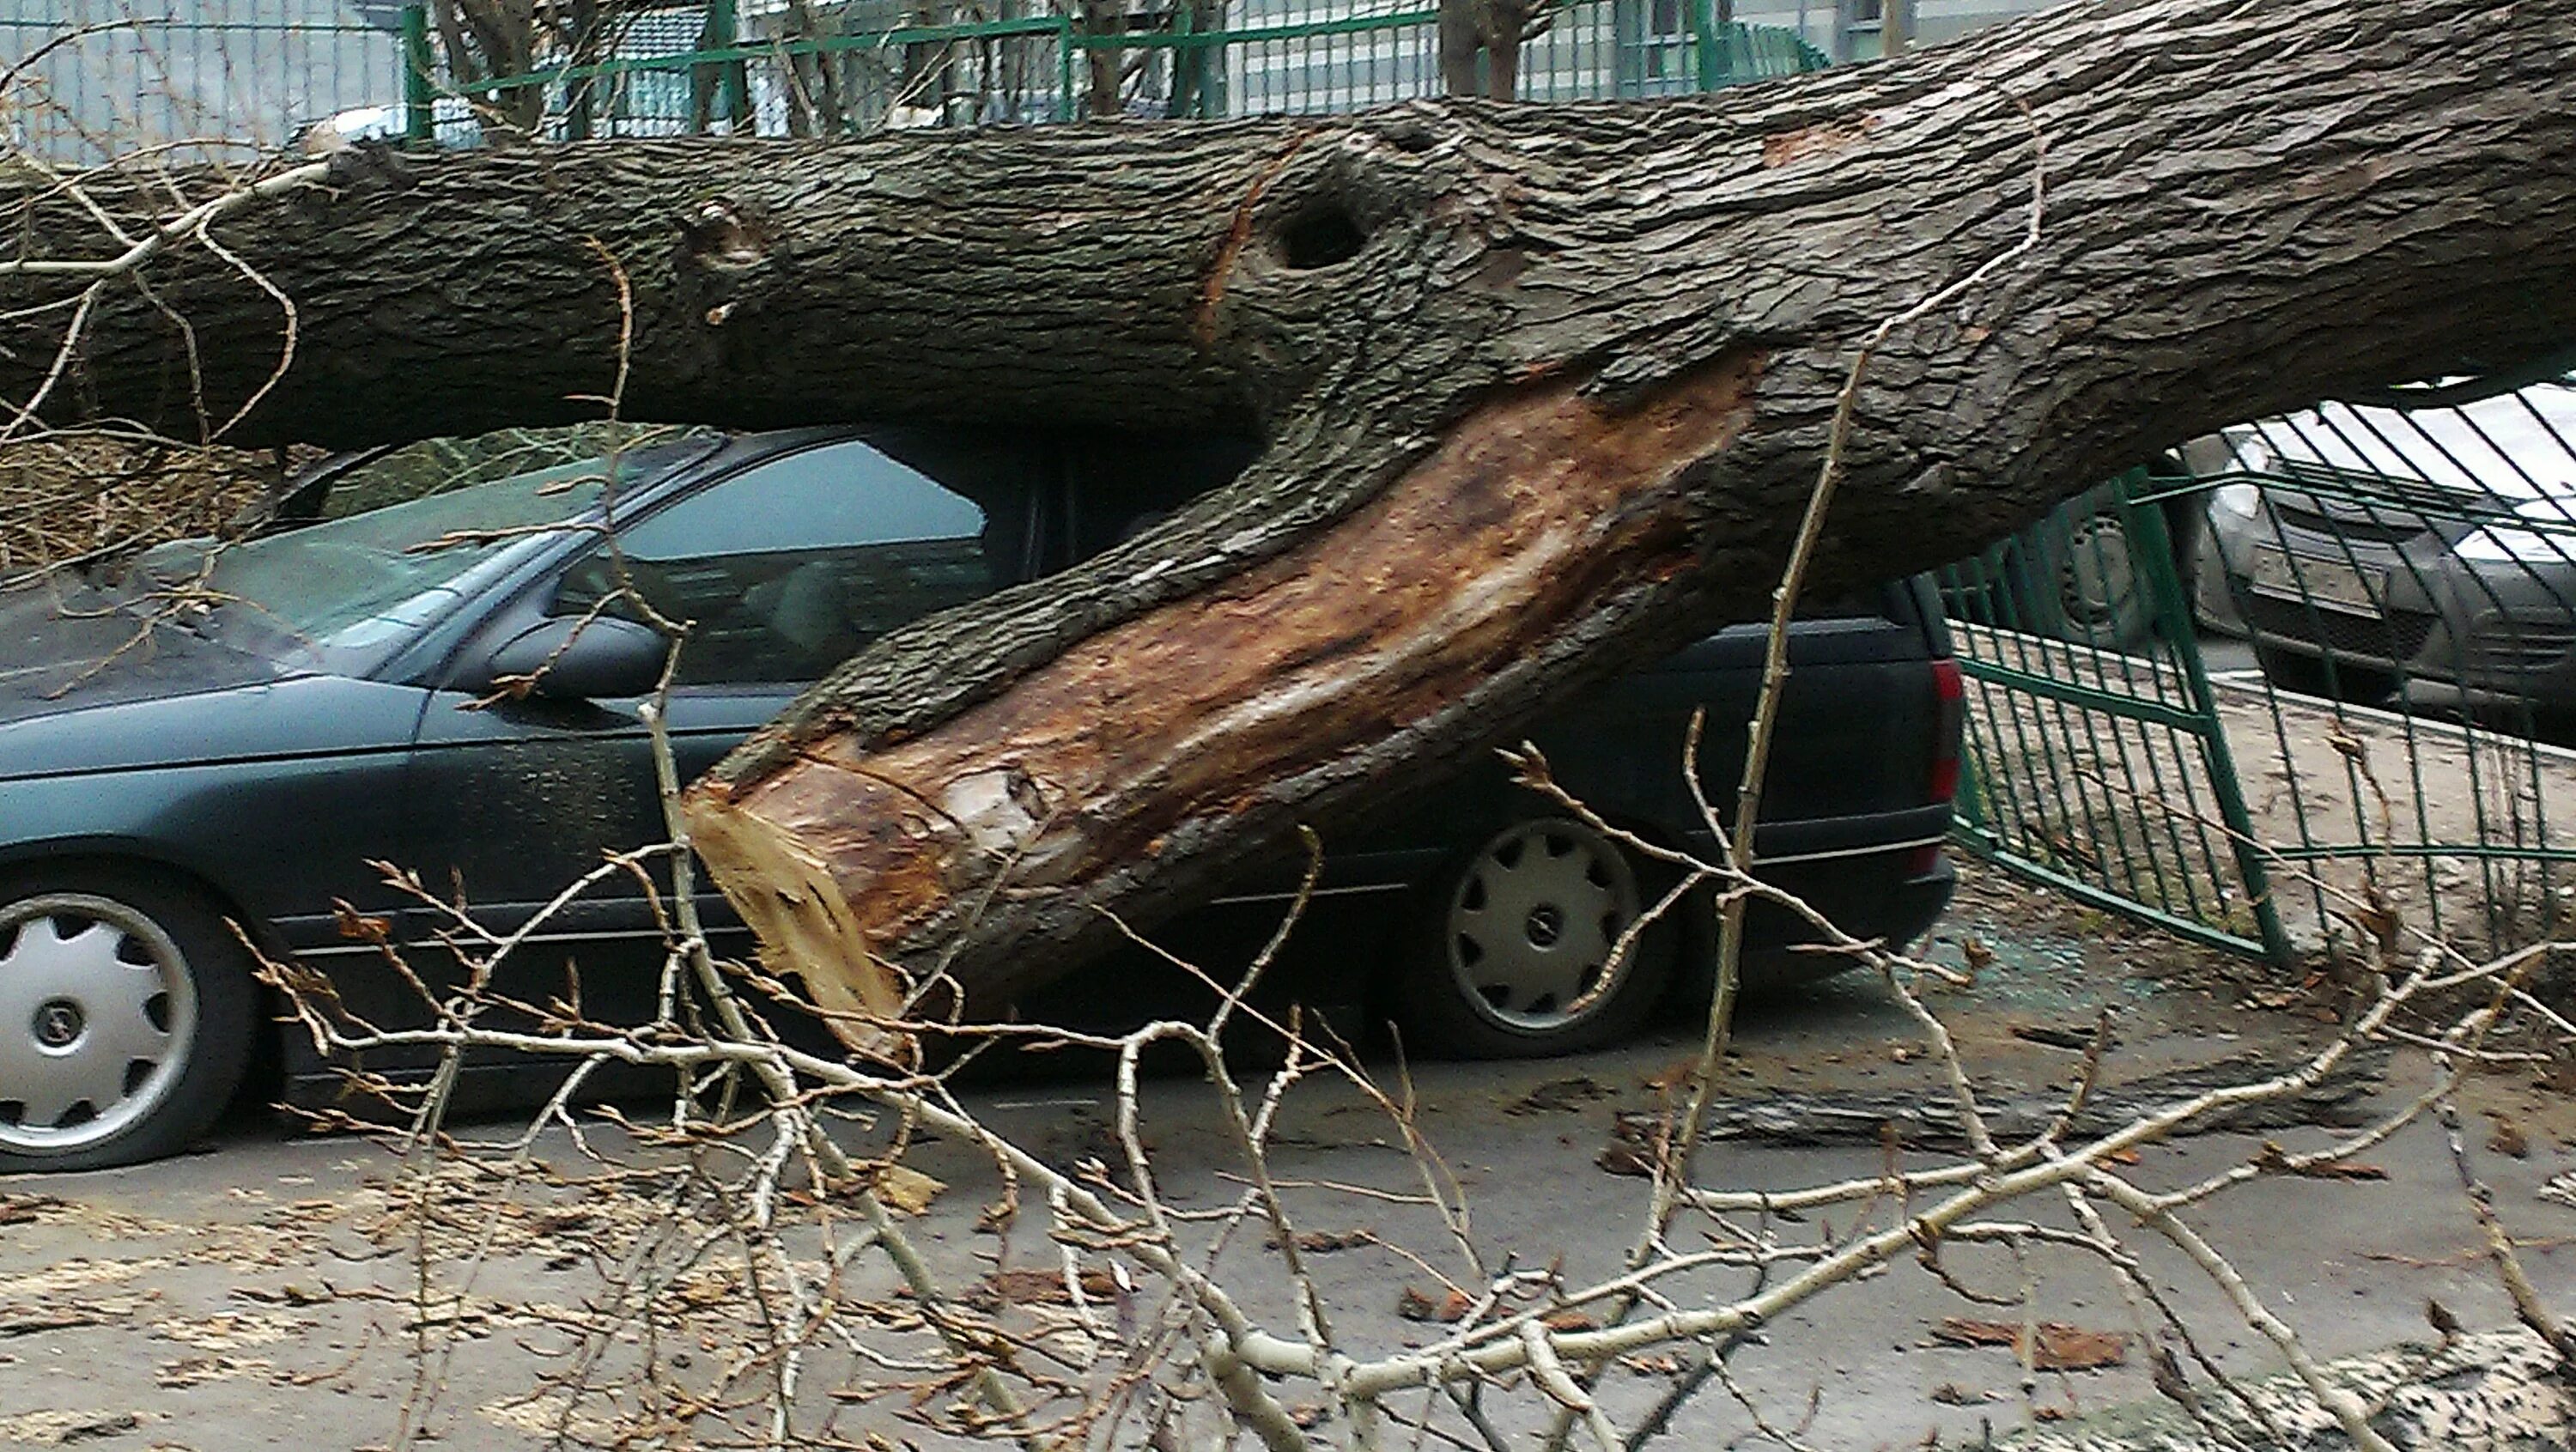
(254, 72)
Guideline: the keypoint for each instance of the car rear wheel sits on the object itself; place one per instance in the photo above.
(2101, 588)
(126, 1019)
(1521, 934)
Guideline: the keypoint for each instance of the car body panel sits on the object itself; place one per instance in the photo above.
(276, 794)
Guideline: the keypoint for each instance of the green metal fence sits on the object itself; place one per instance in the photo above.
(100, 75)
(2348, 636)
(2098, 759)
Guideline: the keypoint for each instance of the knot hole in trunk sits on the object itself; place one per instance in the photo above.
(1320, 234)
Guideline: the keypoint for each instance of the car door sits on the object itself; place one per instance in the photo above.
(779, 571)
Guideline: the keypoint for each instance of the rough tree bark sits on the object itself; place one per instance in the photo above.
(1543, 388)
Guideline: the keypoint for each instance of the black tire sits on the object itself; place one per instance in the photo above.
(2305, 674)
(1517, 932)
(2102, 593)
(128, 1070)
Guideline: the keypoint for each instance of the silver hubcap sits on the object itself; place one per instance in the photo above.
(1532, 923)
(96, 1015)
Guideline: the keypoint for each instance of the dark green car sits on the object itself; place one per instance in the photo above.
(206, 737)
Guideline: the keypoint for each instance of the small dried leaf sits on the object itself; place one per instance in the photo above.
(2061, 1347)
(1324, 1242)
(1413, 1305)
(2274, 1160)
(906, 1189)
(2508, 1139)
(1558, 1096)
(1626, 1159)
(1030, 1286)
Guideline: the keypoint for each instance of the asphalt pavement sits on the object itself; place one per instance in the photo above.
(267, 1291)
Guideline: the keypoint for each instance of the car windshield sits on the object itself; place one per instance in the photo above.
(367, 581)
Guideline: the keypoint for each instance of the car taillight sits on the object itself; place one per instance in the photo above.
(1950, 691)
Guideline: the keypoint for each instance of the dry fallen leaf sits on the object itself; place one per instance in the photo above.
(1975, 953)
(1030, 1286)
(1413, 1305)
(2274, 1160)
(1626, 1159)
(1324, 1242)
(2508, 1138)
(1557, 1096)
(907, 1189)
(2061, 1347)
(232, 1330)
(62, 1429)
(198, 1370)
(30, 1320)
(27, 1209)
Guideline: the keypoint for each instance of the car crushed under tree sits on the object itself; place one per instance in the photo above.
(209, 735)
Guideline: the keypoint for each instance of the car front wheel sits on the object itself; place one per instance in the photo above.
(1520, 962)
(126, 1019)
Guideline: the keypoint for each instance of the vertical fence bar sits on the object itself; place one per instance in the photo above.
(1065, 109)
(419, 97)
(723, 31)
(1703, 23)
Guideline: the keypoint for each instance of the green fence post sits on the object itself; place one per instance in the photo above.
(2152, 548)
(418, 94)
(723, 31)
(1185, 61)
(1065, 107)
(1703, 21)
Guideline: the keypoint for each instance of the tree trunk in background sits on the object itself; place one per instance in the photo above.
(488, 40)
(1489, 31)
(1544, 389)
(1102, 65)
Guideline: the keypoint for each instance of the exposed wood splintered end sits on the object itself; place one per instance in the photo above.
(785, 894)
(1533, 510)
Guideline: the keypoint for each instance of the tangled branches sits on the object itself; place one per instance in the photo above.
(763, 1287)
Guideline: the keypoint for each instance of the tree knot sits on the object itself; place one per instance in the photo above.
(725, 236)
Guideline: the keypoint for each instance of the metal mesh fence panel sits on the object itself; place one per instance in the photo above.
(2356, 627)
(105, 75)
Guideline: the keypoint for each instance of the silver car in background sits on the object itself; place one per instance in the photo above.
(2421, 546)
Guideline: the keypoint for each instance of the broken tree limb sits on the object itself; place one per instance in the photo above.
(1551, 379)
(1931, 1119)
(2489, 1392)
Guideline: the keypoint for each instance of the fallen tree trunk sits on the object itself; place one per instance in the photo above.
(1543, 388)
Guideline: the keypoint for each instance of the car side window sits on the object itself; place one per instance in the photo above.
(790, 567)
(1128, 483)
